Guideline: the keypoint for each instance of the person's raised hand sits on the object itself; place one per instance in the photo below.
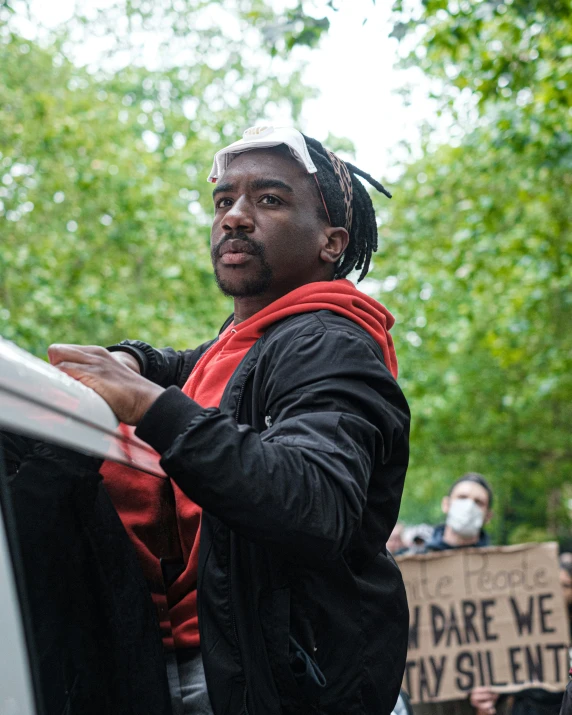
(484, 701)
(127, 393)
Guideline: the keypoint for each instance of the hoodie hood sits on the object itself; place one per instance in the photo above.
(215, 368)
(339, 296)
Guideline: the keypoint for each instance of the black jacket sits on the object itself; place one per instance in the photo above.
(300, 474)
(566, 708)
(436, 542)
(92, 626)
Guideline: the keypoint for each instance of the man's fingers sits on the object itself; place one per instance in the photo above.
(129, 395)
(59, 352)
(73, 369)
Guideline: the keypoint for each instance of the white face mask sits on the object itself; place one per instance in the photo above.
(465, 517)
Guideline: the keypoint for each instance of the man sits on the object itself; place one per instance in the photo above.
(467, 509)
(291, 434)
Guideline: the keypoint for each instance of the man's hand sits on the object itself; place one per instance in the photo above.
(126, 359)
(127, 393)
(484, 701)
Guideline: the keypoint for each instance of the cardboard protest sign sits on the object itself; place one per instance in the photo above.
(490, 617)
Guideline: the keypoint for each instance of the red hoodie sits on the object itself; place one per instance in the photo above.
(139, 501)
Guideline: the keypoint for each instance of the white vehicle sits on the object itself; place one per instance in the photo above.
(38, 401)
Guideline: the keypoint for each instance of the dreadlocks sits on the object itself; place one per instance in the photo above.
(363, 230)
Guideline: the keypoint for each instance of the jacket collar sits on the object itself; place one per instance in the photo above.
(436, 542)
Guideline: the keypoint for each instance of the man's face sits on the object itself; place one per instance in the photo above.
(267, 235)
(469, 490)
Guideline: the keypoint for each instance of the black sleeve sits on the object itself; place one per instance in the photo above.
(302, 483)
(17, 449)
(13, 449)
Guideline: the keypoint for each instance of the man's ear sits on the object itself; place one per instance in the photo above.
(488, 516)
(335, 242)
(445, 504)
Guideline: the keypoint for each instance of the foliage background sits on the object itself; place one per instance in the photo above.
(479, 243)
(104, 212)
(105, 208)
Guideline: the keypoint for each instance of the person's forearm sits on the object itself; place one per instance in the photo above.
(308, 502)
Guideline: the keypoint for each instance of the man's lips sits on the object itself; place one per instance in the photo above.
(235, 259)
(235, 251)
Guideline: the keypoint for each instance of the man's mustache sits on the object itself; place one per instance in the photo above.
(254, 247)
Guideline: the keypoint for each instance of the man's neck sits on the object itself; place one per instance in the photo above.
(451, 538)
(245, 308)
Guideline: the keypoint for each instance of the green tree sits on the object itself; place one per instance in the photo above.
(104, 205)
(477, 245)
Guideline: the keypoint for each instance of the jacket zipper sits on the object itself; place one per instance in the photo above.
(234, 628)
(241, 393)
(235, 631)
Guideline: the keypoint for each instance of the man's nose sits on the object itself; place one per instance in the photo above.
(239, 216)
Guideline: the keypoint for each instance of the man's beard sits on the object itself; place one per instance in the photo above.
(256, 285)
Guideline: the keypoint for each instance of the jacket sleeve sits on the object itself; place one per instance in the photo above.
(163, 366)
(18, 450)
(13, 449)
(302, 483)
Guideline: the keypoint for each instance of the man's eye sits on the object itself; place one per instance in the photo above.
(269, 199)
(223, 203)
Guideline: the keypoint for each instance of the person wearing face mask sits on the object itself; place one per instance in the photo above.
(467, 508)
